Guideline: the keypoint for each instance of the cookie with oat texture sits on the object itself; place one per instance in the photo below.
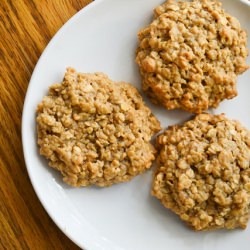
(191, 54)
(203, 172)
(95, 131)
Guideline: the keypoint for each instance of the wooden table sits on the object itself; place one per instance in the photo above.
(26, 27)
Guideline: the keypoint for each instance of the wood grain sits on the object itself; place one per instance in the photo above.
(26, 27)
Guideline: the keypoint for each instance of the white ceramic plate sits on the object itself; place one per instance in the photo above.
(103, 37)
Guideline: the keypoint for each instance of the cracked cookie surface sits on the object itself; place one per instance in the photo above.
(203, 172)
(190, 55)
(95, 131)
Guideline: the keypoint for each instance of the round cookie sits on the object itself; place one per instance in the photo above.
(203, 172)
(95, 131)
(190, 55)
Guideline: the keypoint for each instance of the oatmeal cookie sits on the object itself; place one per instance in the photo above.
(95, 131)
(190, 55)
(203, 172)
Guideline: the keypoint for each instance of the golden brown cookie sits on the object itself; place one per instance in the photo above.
(190, 55)
(203, 172)
(95, 131)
